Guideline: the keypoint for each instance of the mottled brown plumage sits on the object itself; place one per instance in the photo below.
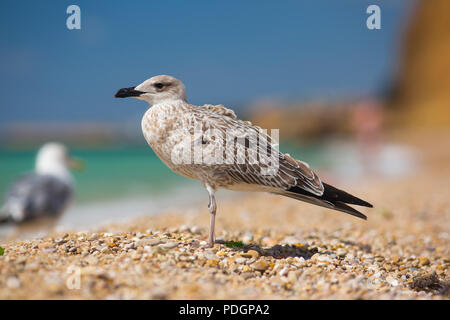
(208, 143)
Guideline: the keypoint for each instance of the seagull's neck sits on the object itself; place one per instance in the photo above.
(169, 101)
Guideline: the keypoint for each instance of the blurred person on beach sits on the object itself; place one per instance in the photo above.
(367, 121)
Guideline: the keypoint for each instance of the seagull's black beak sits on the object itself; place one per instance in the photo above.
(128, 92)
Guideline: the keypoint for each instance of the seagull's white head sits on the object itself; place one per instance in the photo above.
(156, 90)
(54, 159)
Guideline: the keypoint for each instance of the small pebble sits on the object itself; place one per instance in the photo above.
(260, 265)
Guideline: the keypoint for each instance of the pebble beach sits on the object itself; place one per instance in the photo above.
(268, 247)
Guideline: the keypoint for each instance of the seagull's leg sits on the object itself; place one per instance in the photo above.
(212, 219)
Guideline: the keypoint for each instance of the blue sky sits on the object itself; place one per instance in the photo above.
(230, 52)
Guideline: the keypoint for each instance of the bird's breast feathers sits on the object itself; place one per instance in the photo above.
(158, 123)
(166, 127)
(171, 129)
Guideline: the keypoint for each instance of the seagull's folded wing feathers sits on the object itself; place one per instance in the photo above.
(267, 169)
(255, 158)
(220, 109)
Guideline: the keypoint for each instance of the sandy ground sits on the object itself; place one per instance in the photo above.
(269, 247)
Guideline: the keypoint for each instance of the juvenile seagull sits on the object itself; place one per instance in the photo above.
(171, 119)
(45, 193)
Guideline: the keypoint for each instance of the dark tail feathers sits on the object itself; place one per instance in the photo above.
(332, 198)
(333, 194)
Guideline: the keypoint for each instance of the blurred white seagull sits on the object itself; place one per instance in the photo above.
(222, 151)
(44, 193)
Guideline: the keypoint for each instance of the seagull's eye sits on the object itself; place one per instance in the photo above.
(158, 85)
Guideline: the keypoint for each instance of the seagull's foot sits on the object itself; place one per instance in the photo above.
(211, 241)
(210, 244)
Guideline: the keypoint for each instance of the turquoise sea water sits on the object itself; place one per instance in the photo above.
(119, 172)
(121, 183)
(108, 173)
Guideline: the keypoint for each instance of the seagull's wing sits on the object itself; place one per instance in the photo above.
(220, 109)
(270, 170)
(254, 158)
(33, 196)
